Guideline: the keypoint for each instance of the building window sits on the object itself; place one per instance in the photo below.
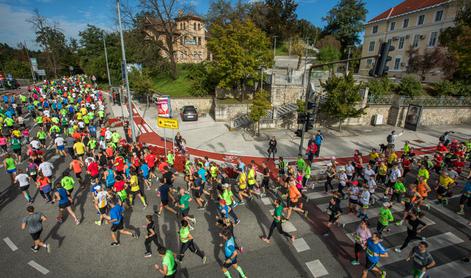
(195, 40)
(405, 23)
(439, 15)
(375, 29)
(194, 26)
(369, 62)
(397, 63)
(401, 43)
(392, 25)
(433, 39)
(184, 25)
(371, 47)
(390, 41)
(199, 40)
(199, 26)
(421, 19)
(181, 40)
(415, 43)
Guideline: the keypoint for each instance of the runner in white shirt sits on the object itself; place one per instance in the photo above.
(46, 168)
(24, 181)
(35, 144)
(101, 203)
(60, 147)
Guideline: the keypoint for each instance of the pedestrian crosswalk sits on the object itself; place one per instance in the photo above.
(439, 239)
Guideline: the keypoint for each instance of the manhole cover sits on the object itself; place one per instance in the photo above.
(418, 141)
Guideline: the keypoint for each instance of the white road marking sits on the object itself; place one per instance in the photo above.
(451, 269)
(10, 244)
(266, 201)
(288, 227)
(435, 243)
(317, 195)
(317, 268)
(449, 213)
(38, 267)
(301, 245)
(372, 213)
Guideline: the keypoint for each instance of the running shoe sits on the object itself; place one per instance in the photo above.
(383, 274)
(113, 244)
(48, 248)
(147, 255)
(34, 249)
(204, 259)
(397, 250)
(98, 222)
(355, 262)
(460, 212)
(237, 221)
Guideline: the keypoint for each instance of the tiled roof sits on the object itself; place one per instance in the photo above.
(407, 7)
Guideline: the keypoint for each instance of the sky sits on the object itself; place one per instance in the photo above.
(74, 15)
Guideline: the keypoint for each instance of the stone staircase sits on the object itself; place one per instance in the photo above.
(243, 121)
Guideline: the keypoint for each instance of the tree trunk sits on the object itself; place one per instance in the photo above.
(299, 62)
(173, 67)
(258, 128)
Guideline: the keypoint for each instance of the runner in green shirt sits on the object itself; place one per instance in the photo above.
(300, 163)
(277, 219)
(399, 190)
(170, 158)
(115, 137)
(168, 268)
(16, 147)
(307, 174)
(91, 145)
(68, 184)
(39, 120)
(9, 122)
(385, 216)
(10, 166)
(41, 135)
(184, 205)
(187, 242)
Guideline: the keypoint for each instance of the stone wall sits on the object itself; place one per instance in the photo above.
(204, 104)
(284, 94)
(430, 115)
(226, 112)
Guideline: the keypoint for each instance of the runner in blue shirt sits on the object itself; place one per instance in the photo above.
(374, 251)
(117, 226)
(230, 253)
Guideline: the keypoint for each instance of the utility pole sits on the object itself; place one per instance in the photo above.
(261, 78)
(106, 59)
(125, 72)
(306, 44)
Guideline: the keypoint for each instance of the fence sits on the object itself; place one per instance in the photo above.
(425, 101)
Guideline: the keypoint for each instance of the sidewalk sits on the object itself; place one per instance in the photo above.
(208, 135)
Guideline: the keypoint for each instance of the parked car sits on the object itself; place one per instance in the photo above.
(189, 113)
(10, 84)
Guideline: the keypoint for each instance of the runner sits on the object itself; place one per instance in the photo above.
(24, 181)
(76, 166)
(10, 166)
(169, 267)
(184, 206)
(65, 202)
(187, 242)
(117, 227)
(151, 236)
(413, 221)
(277, 217)
(374, 251)
(101, 204)
(361, 235)
(34, 222)
(230, 253)
(421, 259)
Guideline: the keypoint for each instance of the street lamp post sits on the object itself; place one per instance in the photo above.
(274, 47)
(125, 73)
(106, 59)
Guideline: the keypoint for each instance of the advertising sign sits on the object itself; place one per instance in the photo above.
(41, 72)
(34, 63)
(167, 123)
(413, 117)
(163, 107)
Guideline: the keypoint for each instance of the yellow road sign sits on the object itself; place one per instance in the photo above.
(167, 123)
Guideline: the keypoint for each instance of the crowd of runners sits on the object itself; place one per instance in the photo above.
(69, 116)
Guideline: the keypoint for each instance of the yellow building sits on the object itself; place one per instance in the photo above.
(189, 37)
(413, 24)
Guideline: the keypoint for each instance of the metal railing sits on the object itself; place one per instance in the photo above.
(426, 101)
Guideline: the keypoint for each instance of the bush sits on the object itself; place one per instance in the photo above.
(379, 87)
(451, 88)
(410, 87)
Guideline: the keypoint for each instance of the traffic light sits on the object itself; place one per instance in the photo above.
(311, 105)
(309, 123)
(380, 68)
(302, 117)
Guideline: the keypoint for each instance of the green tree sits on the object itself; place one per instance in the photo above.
(456, 88)
(342, 98)
(381, 86)
(239, 50)
(280, 18)
(204, 83)
(307, 30)
(409, 86)
(52, 40)
(328, 54)
(458, 41)
(346, 21)
(140, 83)
(259, 108)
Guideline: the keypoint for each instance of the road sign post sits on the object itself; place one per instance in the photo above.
(171, 124)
